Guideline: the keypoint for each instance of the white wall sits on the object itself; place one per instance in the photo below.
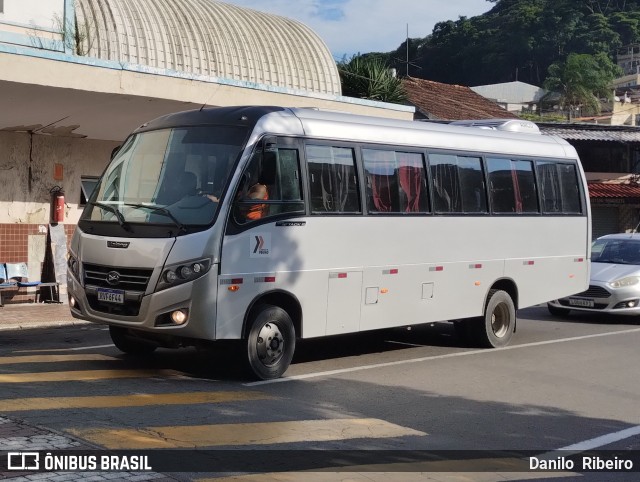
(32, 13)
(27, 174)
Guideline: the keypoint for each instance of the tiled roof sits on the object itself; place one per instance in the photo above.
(613, 190)
(592, 132)
(451, 102)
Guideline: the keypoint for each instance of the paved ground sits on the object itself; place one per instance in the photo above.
(16, 435)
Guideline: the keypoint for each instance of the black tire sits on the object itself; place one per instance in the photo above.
(496, 327)
(557, 311)
(128, 343)
(271, 341)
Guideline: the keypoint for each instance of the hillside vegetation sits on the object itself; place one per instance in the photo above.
(518, 40)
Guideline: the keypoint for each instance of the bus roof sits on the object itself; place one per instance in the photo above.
(323, 124)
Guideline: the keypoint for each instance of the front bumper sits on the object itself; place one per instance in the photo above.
(152, 309)
(600, 298)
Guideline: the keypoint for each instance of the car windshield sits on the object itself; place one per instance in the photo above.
(169, 176)
(618, 251)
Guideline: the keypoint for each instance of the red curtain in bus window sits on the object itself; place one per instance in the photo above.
(411, 182)
(381, 191)
(516, 188)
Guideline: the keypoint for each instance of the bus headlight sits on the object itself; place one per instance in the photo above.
(180, 273)
(624, 282)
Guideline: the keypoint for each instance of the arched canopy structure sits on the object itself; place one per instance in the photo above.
(209, 38)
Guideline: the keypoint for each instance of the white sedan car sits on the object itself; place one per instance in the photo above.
(614, 287)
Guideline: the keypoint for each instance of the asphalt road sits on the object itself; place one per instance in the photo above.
(562, 384)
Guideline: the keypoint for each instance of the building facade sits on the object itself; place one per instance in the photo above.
(77, 76)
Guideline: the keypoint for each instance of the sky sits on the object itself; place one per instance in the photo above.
(349, 27)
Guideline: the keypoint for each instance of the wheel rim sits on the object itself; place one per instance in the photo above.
(270, 344)
(500, 320)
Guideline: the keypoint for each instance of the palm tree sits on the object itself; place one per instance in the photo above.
(581, 81)
(369, 77)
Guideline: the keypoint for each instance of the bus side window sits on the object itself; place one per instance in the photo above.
(559, 187)
(395, 181)
(458, 184)
(269, 188)
(512, 187)
(570, 191)
(332, 179)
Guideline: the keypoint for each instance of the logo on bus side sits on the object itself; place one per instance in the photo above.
(118, 244)
(260, 245)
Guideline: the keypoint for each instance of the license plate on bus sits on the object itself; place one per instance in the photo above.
(582, 303)
(111, 296)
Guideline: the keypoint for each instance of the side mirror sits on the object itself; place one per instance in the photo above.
(115, 151)
(269, 149)
(269, 166)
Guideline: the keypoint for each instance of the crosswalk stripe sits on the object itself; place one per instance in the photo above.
(15, 360)
(83, 375)
(135, 400)
(243, 433)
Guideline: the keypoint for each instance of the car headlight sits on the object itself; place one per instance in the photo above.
(624, 282)
(179, 273)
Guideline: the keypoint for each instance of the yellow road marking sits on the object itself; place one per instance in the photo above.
(12, 360)
(135, 400)
(243, 433)
(83, 375)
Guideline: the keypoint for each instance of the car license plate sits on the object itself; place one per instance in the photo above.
(582, 303)
(111, 296)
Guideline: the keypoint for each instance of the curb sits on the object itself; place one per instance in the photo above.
(41, 324)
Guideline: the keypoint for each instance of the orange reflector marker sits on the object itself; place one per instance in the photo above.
(384, 290)
(572, 276)
(233, 288)
(477, 283)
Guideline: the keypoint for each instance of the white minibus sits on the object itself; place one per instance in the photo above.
(267, 225)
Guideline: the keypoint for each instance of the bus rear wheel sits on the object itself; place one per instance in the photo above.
(499, 321)
(496, 327)
(128, 343)
(271, 342)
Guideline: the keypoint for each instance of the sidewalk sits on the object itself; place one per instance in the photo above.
(22, 316)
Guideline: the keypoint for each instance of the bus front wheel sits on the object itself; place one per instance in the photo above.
(128, 343)
(496, 327)
(271, 342)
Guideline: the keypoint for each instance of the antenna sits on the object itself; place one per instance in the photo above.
(210, 96)
(406, 61)
(407, 50)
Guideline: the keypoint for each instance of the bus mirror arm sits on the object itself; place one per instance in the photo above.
(269, 148)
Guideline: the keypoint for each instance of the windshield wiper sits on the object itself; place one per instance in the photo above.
(161, 210)
(108, 207)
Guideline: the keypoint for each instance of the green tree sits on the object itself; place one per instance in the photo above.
(581, 81)
(519, 40)
(369, 77)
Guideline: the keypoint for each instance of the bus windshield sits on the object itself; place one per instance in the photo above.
(168, 176)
